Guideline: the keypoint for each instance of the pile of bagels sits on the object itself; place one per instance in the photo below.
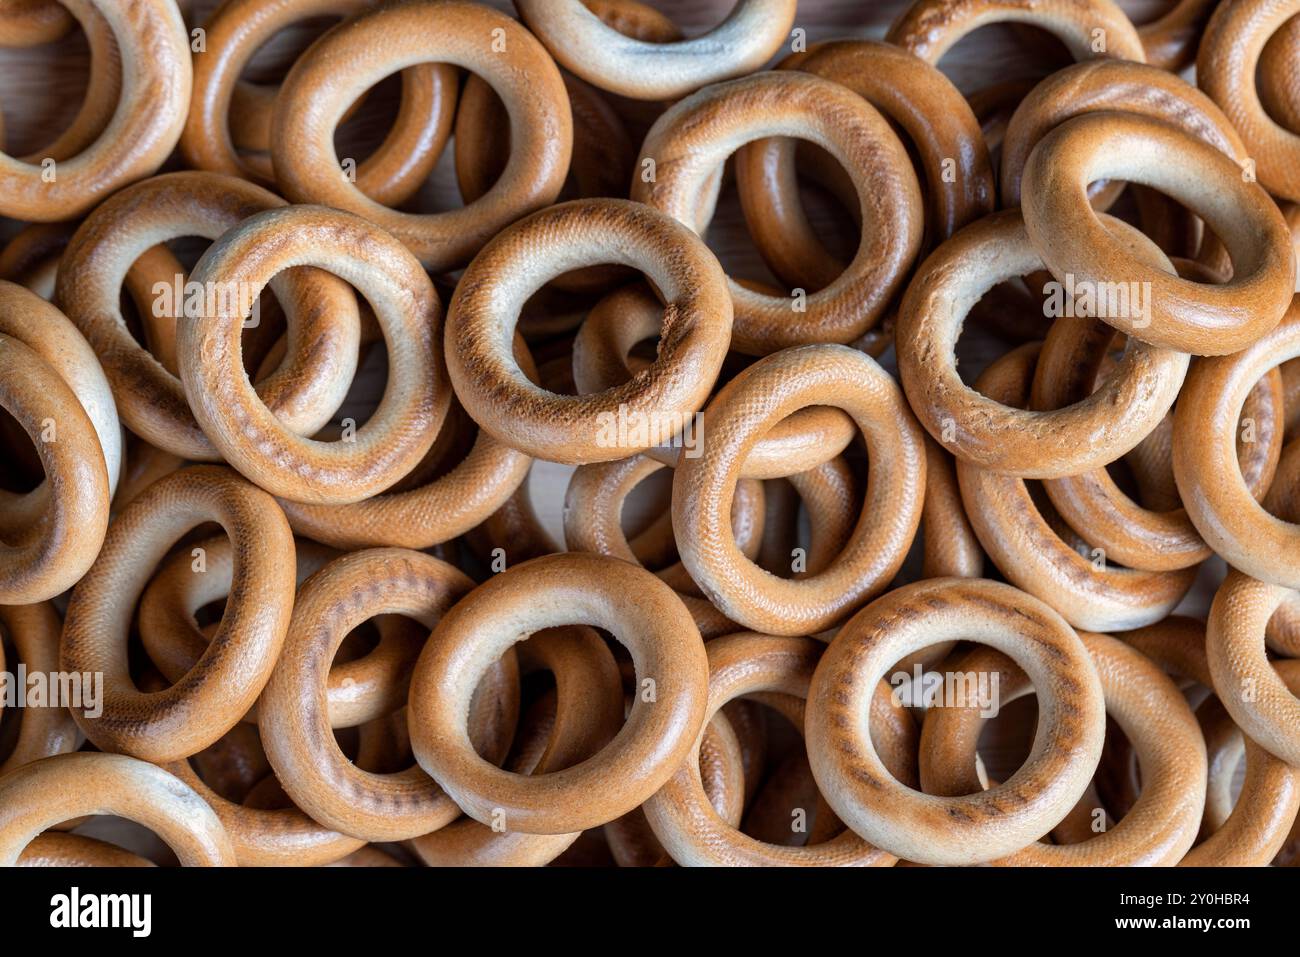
(273, 582)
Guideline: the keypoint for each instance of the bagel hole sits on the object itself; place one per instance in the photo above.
(134, 317)
(1237, 781)
(210, 614)
(829, 200)
(783, 807)
(555, 372)
(1143, 12)
(649, 506)
(1169, 223)
(272, 60)
(821, 554)
(1222, 268)
(154, 296)
(548, 320)
(1019, 50)
(240, 752)
(379, 746)
(1118, 779)
(728, 237)
(268, 795)
(363, 395)
(647, 350)
(1067, 533)
(832, 207)
(650, 311)
(788, 549)
(696, 19)
(51, 98)
(1275, 48)
(21, 470)
(1007, 738)
(128, 836)
(738, 256)
(359, 135)
(784, 527)
(552, 315)
(348, 741)
(538, 703)
(537, 711)
(1008, 313)
(358, 643)
(1121, 473)
(10, 718)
